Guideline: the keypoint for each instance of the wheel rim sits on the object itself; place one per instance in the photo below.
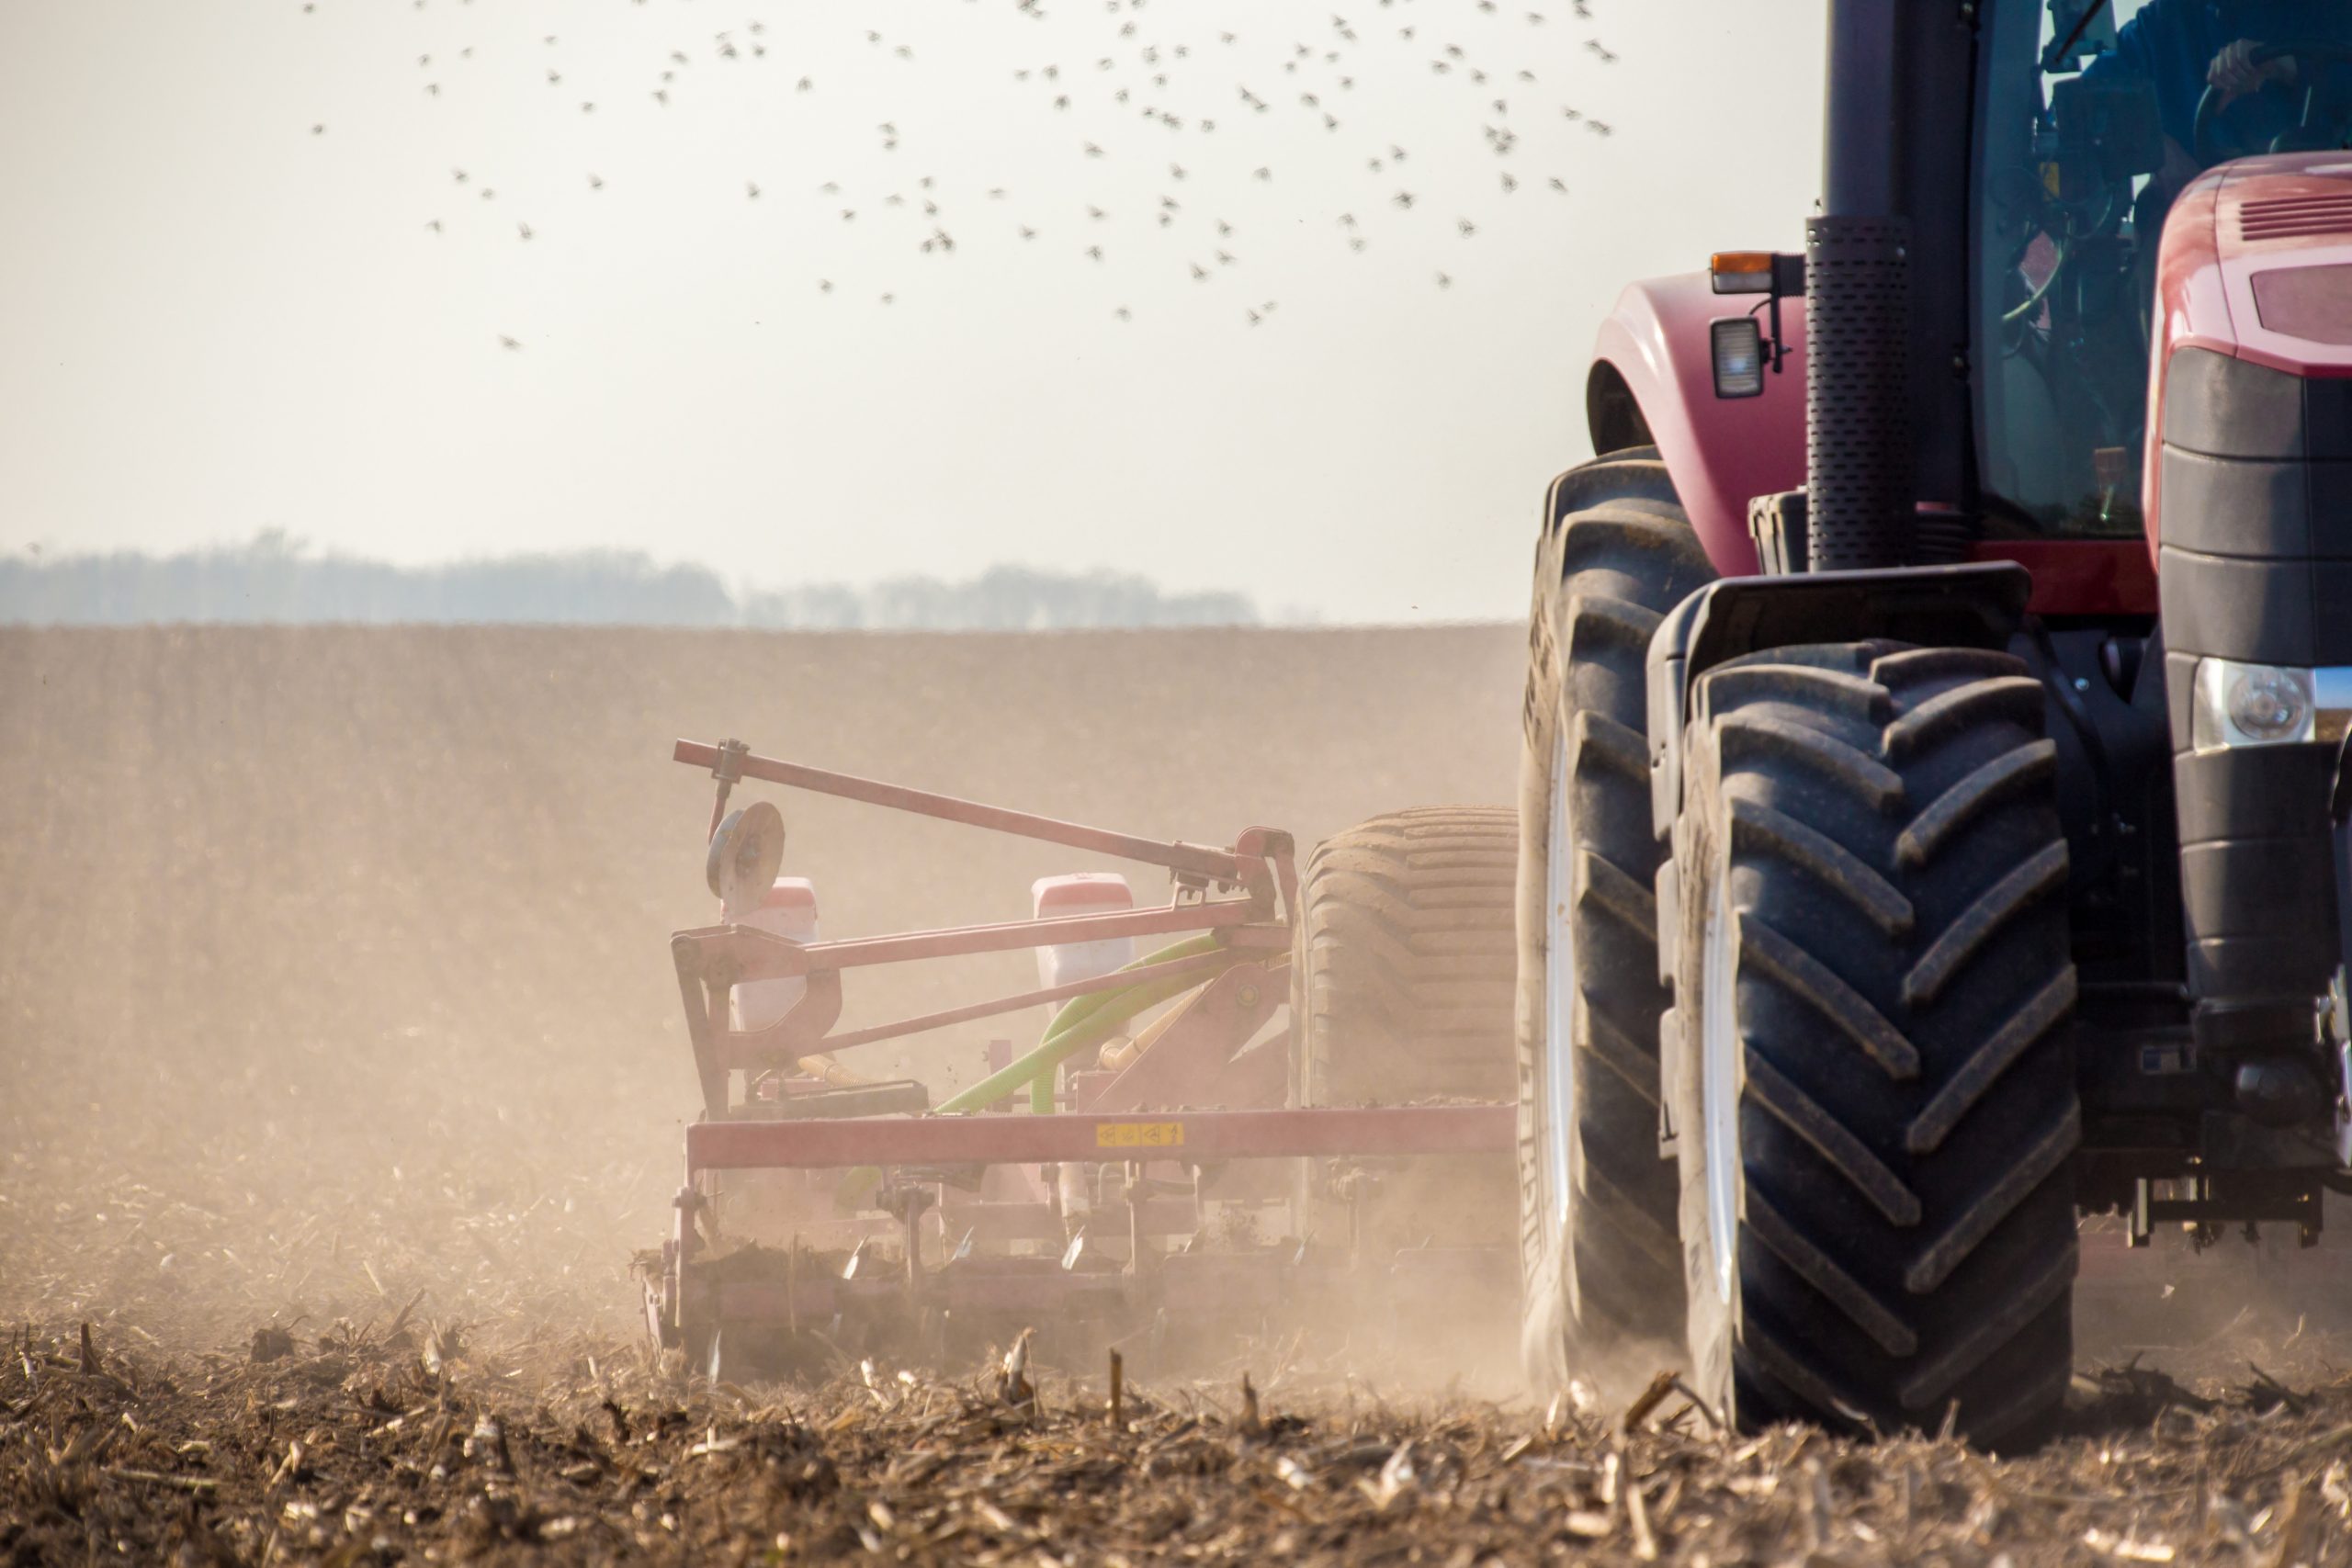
(1559, 987)
(1719, 1085)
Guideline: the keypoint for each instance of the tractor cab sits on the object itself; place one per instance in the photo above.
(2097, 115)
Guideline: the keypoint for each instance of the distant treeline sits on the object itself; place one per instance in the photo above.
(277, 579)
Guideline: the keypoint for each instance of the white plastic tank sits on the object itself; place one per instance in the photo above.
(1082, 892)
(788, 910)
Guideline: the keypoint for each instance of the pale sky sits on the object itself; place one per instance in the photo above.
(213, 321)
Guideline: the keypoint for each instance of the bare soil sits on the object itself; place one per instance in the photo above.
(340, 1075)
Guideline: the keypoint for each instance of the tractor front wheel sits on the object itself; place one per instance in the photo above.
(1873, 1077)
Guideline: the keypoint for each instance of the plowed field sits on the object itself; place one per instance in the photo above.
(340, 1074)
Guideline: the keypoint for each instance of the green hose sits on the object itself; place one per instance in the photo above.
(1089, 1020)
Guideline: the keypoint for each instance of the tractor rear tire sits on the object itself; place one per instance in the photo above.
(1874, 1074)
(1598, 1260)
(1401, 991)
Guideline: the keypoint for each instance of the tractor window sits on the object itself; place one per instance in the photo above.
(2073, 174)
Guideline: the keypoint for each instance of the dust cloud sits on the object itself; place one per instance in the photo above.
(343, 1075)
(333, 968)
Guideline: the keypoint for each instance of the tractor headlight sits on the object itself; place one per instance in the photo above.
(2252, 704)
(1738, 345)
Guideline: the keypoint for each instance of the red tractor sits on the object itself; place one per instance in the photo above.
(1900, 872)
(1935, 799)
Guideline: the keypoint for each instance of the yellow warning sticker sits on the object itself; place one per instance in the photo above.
(1137, 1135)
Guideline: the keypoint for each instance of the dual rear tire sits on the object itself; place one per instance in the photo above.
(1867, 1074)
(1834, 1159)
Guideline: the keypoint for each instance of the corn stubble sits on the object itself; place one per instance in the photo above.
(340, 1078)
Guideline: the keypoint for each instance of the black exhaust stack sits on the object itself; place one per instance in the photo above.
(1860, 489)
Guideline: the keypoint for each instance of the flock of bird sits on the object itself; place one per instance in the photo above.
(1205, 91)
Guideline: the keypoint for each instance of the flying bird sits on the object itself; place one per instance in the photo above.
(505, 342)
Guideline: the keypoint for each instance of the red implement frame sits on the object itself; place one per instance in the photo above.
(1193, 1137)
(1146, 1115)
(1259, 872)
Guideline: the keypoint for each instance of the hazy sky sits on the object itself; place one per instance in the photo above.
(214, 320)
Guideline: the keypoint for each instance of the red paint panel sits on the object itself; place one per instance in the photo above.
(2310, 302)
(2081, 577)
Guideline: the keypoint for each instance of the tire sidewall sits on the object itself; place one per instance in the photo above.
(1700, 868)
(1546, 1257)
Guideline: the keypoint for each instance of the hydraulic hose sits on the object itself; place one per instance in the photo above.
(1089, 1020)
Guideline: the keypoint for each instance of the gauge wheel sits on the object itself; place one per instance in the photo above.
(1401, 992)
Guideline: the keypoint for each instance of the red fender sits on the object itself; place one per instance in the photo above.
(1721, 451)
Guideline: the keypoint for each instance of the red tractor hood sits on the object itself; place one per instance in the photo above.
(2255, 264)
